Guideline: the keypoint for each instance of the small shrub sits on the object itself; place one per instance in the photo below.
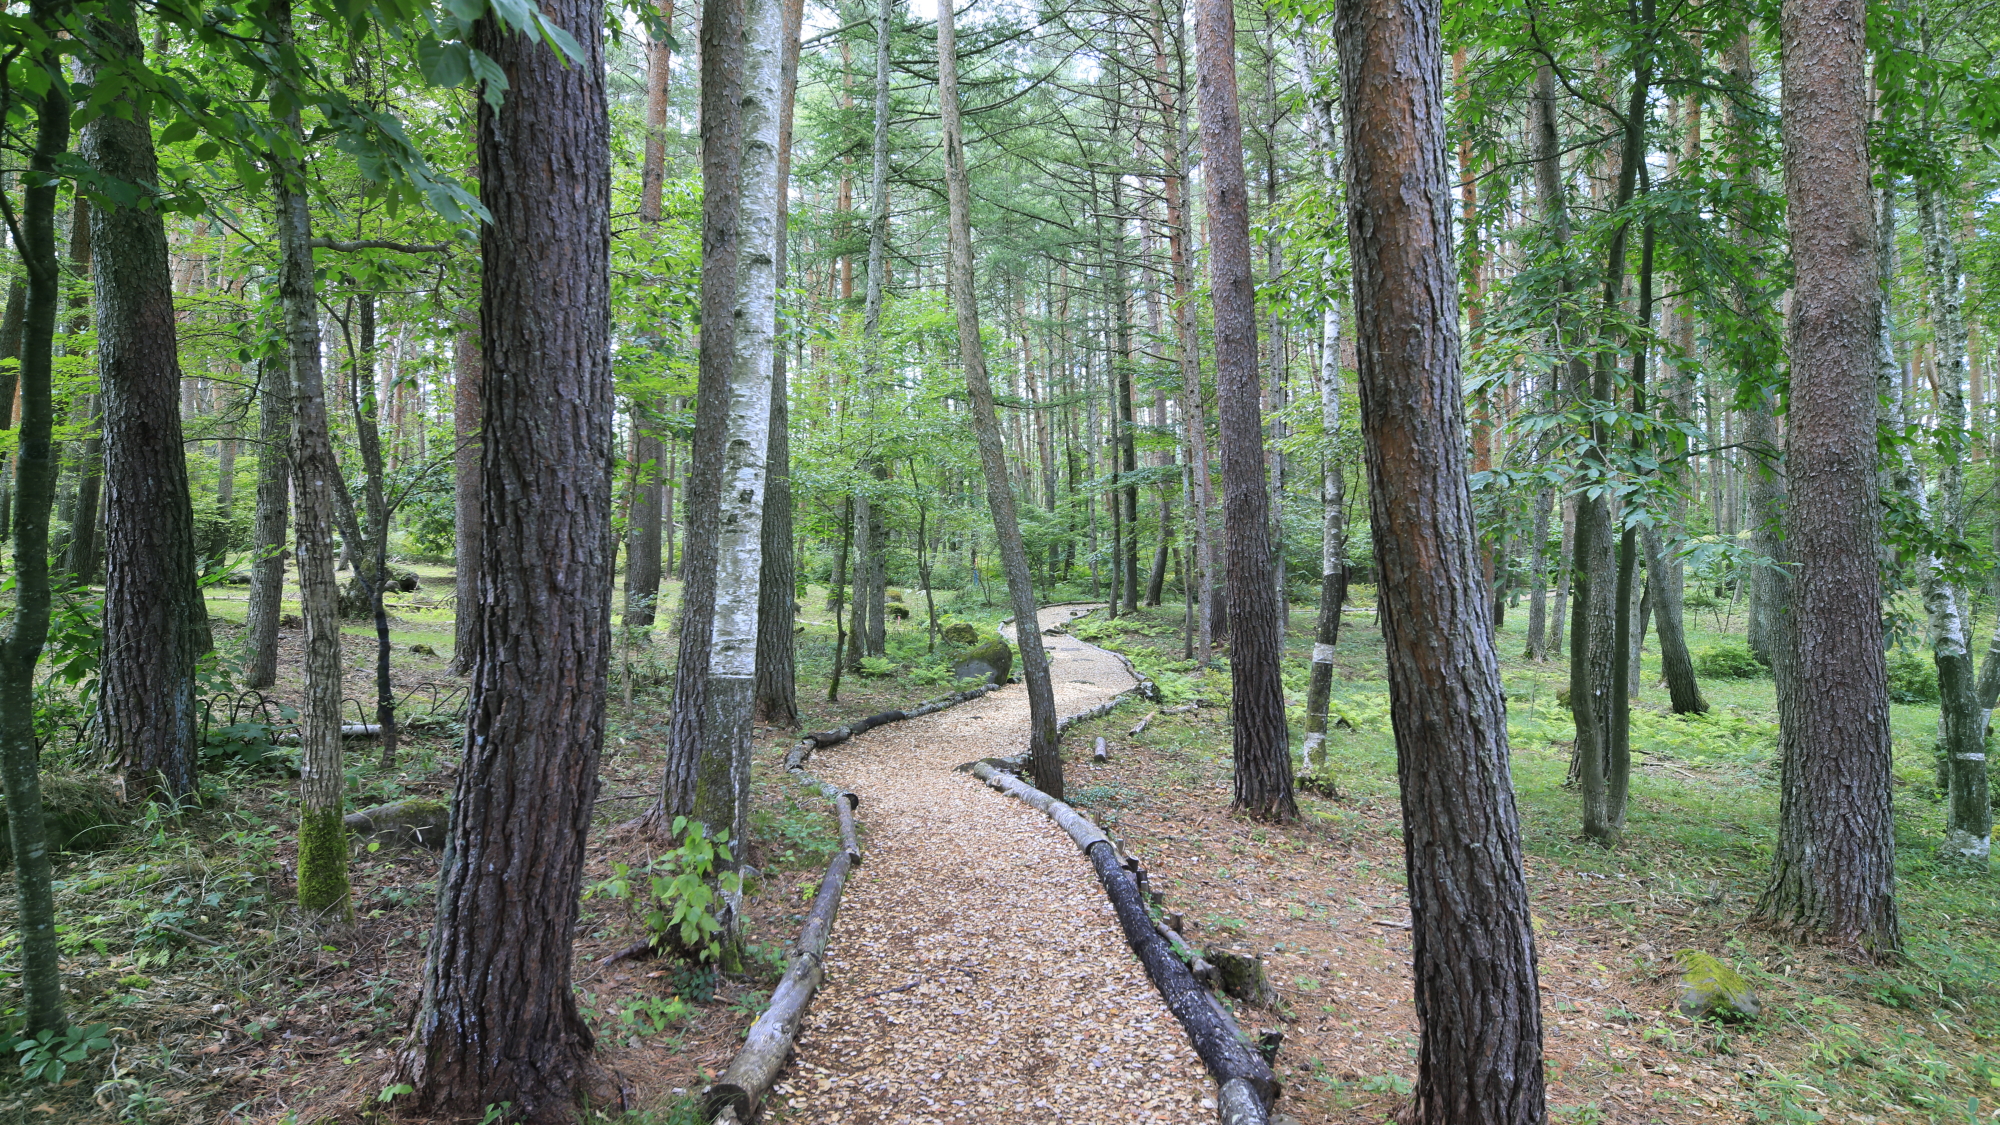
(1912, 677)
(1730, 660)
(876, 666)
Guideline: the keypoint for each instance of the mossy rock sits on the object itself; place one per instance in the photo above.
(1711, 988)
(990, 662)
(418, 822)
(962, 633)
(81, 812)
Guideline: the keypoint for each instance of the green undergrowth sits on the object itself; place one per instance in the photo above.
(1918, 1038)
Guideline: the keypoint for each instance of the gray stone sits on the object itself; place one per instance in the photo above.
(961, 633)
(990, 662)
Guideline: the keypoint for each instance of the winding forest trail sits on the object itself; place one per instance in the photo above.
(977, 973)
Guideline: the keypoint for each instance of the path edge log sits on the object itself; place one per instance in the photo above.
(1248, 1085)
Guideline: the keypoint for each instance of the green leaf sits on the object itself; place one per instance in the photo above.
(180, 130)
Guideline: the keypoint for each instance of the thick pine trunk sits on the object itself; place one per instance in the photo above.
(1833, 877)
(35, 478)
(1044, 754)
(498, 1020)
(147, 701)
(1479, 1058)
(1263, 756)
(274, 483)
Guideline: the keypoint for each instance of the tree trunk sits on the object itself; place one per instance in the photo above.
(146, 696)
(659, 79)
(322, 862)
(1479, 1058)
(722, 154)
(373, 571)
(642, 539)
(1665, 582)
(722, 796)
(467, 422)
(267, 570)
(777, 699)
(81, 558)
(498, 1020)
(1538, 578)
(1044, 755)
(1263, 756)
(1834, 873)
(35, 472)
(837, 600)
(1602, 584)
(1187, 340)
(1968, 830)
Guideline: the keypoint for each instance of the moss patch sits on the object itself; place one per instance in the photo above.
(323, 863)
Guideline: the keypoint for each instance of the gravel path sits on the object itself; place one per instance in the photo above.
(977, 973)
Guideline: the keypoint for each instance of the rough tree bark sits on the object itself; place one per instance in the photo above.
(1333, 476)
(498, 1020)
(1044, 754)
(777, 699)
(1834, 873)
(1263, 755)
(467, 422)
(322, 862)
(722, 34)
(34, 233)
(274, 483)
(1479, 1058)
(146, 696)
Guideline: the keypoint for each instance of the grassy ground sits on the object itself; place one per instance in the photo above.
(1838, 1041)
(180, 939)
(178, 935)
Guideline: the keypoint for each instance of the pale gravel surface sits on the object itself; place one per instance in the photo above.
(977, 973)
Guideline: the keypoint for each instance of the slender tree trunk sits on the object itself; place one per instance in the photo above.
(1665, 582)
(34, 484)
(1962, 721)
(1333, 475)
(498, 1020)
(1044, 755)
(146, 694)
(642, 541)
(322, 863)
(274, 483)
(837, 600)
(777, 654)
(1833, 876)
(1262, 747)
(1538, 578)
(1187, 340)
(659, 80)
(1479, 1057)
(722, 153)
(81, 558)
(468, 420)
(373, 572)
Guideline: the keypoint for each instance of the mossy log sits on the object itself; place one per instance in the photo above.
(418, 822)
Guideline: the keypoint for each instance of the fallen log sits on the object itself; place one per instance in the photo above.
(1100, 753)
(1221, 1045)
(1216, 1038)
(843, 807)
(1144, 723)
(1240, 1104)
(736, 1095)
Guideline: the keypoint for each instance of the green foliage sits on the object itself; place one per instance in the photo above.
(47, 1055)
(876, 666)
(1912, 677)
(1728, 660)
(682, 888)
